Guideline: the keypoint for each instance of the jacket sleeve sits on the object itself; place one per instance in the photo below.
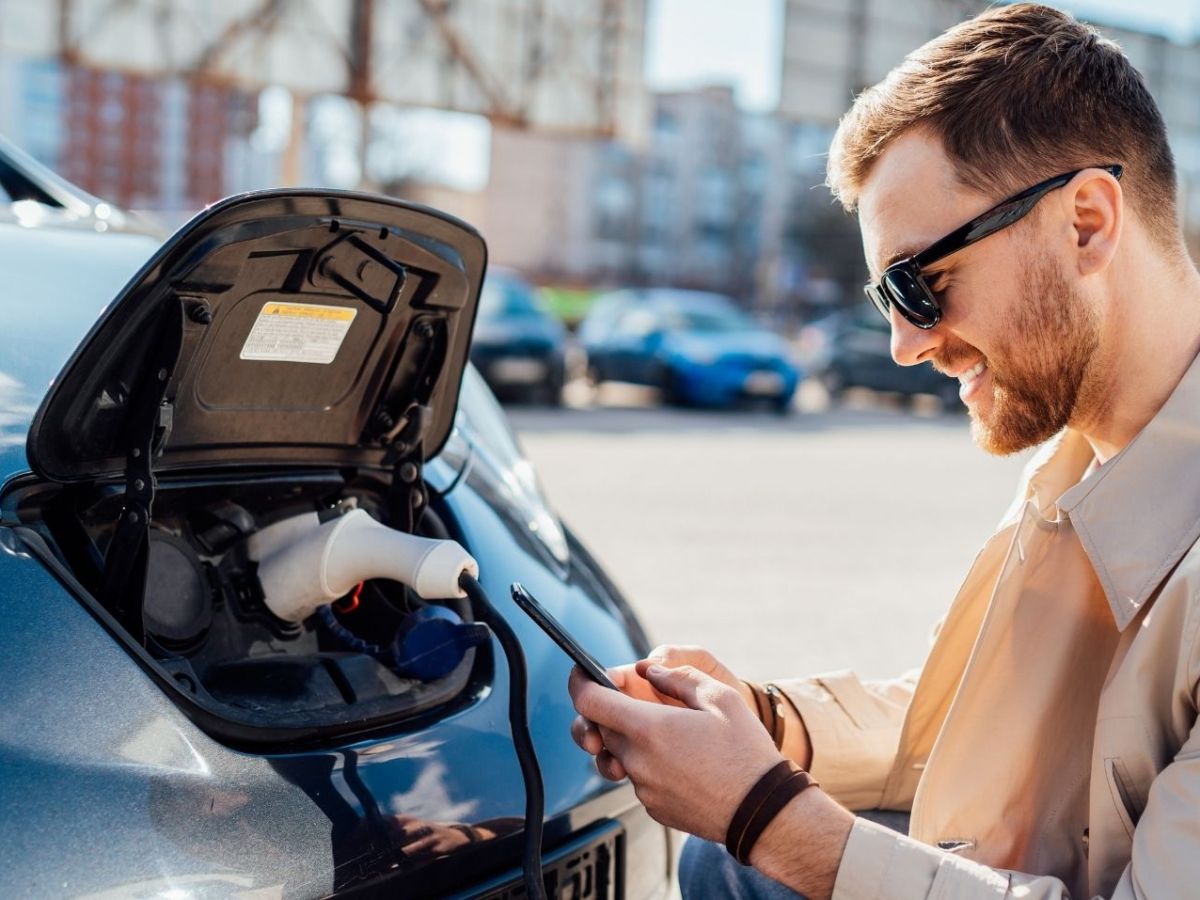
(879, 864)
(854, 728)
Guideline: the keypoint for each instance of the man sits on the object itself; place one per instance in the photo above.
(1048, 748)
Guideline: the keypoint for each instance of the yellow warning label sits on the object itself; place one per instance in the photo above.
(308, 311)
(298, 332)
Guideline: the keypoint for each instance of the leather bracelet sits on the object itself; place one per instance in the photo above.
(762, 803)
(779, 720)
(771, 779)
(768, 702)
(771, 807)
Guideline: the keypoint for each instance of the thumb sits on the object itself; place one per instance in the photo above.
(687, 684)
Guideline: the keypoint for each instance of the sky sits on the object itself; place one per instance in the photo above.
(692, 42)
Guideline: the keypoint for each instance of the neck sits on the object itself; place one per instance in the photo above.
(1149, 337)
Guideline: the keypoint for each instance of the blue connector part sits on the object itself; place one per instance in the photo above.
(432, 641)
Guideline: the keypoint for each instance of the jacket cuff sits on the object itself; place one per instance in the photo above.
(881, 864)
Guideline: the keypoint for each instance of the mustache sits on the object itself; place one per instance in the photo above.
(952, 357)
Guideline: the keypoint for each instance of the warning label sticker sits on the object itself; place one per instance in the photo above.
(298, 332)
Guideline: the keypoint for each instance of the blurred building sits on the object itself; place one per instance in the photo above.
(832, 49)
(570, 66)
(695, 206)
(159, 105)
(144, 143)
(561, 208)
(704, 182)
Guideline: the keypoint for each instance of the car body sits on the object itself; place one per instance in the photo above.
(210, 749)
(852, 348)
(518, 346)
(698, 348)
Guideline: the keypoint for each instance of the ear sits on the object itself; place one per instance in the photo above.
(1096, 205)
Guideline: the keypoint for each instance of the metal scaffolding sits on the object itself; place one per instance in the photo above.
(565, 66)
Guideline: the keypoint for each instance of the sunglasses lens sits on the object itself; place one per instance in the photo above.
(913, 299)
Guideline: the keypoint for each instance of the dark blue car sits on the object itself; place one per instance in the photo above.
(288, 362)
(518, 346)
(698, 348)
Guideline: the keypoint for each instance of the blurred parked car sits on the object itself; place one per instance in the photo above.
(697, 348)
(518, 346)
(852, 348)
(275, 363)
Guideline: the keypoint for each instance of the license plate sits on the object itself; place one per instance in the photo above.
(591, 867)
(519, 371)
(763, 383)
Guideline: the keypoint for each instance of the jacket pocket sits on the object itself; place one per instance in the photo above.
(1125, 796)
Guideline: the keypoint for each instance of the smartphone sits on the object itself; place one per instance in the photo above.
(559, 635)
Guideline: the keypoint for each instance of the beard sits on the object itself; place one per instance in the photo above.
(1043, 372)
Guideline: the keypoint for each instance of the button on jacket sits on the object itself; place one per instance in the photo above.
(1048, 748)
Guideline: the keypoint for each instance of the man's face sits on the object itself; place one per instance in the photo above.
(1016, 332)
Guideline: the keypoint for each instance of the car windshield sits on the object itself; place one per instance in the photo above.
(502, 297)
(708, 321)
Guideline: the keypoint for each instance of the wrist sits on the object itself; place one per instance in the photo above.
(747, 693)
(802, 847)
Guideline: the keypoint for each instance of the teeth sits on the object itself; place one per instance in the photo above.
(971, 374)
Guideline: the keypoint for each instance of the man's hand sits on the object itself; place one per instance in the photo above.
(672, 656)
(633, 682)
(688, 742)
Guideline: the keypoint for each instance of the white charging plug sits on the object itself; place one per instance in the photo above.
(304, 563)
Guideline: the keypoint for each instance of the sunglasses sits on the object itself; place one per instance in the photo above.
(902, 284)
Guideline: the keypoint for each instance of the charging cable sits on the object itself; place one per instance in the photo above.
(518, 721)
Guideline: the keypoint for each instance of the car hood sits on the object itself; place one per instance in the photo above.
(750, 343)
(296, 327)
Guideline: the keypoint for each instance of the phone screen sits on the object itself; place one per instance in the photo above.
(559, 635)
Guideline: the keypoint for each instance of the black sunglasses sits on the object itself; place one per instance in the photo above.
(902, 283)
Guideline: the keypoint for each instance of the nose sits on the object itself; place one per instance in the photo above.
(912, 345)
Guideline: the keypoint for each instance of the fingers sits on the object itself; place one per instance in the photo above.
(689, 685)
(620, 676)
(609, 766)
(642, 665)
(586, 735)
(674, 655)
(599, 704)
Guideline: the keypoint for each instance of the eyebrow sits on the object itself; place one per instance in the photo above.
(941, 266)
(895, 258)
(899, 255)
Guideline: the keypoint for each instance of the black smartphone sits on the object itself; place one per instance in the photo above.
(559, 635)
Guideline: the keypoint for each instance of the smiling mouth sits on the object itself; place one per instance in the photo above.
(965, 378)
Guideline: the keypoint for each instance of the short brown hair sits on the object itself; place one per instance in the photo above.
(1018, 94)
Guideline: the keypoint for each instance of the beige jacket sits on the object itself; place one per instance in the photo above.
(1048, 748)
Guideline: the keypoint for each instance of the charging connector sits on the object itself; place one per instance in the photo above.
(304, 563)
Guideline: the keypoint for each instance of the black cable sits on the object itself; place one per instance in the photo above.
(518, 721)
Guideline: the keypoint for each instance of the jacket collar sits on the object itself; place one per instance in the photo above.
(1139, 513)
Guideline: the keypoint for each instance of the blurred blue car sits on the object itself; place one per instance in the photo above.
(518, 346)
(698, 348)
